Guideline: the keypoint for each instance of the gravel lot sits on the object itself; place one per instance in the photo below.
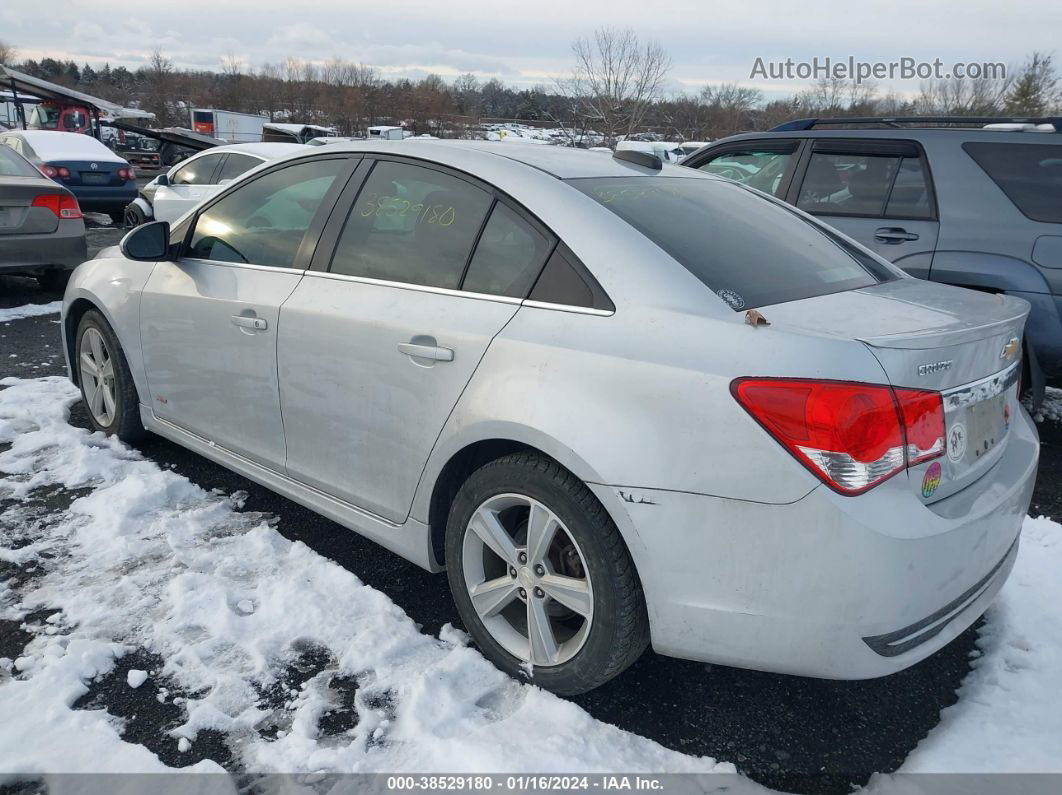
(789, 733)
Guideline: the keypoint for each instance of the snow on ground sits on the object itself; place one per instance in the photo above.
(143, 562)
(29, 310)
(146, 560)
(1052, 405)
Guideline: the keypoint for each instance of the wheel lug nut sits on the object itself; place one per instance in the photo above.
(523, 594)
(512, 572)
(540, 570)
(539, 593)
(523, 557)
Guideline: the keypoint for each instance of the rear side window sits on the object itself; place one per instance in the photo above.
(873, 185)
(749, 251)
(1029, 174)
(236, 164)
(508, 256)
(264, 221)
(14, 165)
(413, 225)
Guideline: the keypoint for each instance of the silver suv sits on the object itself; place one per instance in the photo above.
(977, 207)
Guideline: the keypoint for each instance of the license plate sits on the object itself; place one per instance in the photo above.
(93, 178)
(986, 426)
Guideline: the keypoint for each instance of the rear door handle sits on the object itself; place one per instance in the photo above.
(432, 352)
(257, 323)
(893, 234)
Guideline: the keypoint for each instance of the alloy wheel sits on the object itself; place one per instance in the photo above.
(97, 376)
(527, 580)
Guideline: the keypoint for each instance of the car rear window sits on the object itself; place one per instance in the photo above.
(1030, 175)
(13, 164)
(749, 250)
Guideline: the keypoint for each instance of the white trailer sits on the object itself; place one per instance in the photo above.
(385, 132)
(235, 128)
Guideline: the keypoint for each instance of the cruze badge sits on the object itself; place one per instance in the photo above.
(1010, 348)
(934, 367)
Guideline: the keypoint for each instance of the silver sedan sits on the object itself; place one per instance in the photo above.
(620, 402)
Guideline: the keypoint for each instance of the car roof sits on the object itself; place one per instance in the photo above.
(55, 145)
(904, 133)
(562, 162)
(270, 151)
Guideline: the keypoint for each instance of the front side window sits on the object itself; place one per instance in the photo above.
(413, 225)
(757, 168)
(508, 256)
(236, 164)
(1029, 174)
(750, 251)
(196, 172)
(265, 221)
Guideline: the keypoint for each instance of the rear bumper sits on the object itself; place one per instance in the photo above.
(829, 586)
(65, 248)
(104, 199)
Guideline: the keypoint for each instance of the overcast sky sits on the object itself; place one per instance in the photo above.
(524, 43)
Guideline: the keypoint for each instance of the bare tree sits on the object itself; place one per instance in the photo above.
(729, 107)
(159, 79)
(616, 80)
(7, 54)
(970, 97)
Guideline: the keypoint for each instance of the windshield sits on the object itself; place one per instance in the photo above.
(747, 249)
(13, 164)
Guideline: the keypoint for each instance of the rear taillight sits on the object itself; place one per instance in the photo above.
(127, 174)
(65, 207)
(51, 172)
(852, 436)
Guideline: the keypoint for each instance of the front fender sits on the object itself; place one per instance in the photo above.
(112, 286)
(144, 205)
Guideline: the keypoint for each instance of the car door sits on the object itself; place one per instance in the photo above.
(188, 185)
(209, 318)
(878, 192)
(380, 338)
(766, 165)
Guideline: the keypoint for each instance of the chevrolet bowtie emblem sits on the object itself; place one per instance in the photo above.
(1010, 349)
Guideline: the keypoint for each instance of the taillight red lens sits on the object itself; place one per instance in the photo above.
(50, 171)
(65, 207)
(128, 174)
(852, 436)
(923, 422)
(63, 172)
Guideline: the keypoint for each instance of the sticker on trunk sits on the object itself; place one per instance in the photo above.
(956, 442)
(931, 480)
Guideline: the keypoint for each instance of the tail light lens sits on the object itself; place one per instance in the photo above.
(852, 436)
(50, 171)
(64, 207)
(127, 174)
(63, 171)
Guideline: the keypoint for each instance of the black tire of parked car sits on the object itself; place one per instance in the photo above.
(126, 424)
(54, 280)
(117, 219)
(620, 629)
(133, 217)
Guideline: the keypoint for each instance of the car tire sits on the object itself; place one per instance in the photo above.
(585, 550)
(107, 387)
(133, 217)
(53, 281)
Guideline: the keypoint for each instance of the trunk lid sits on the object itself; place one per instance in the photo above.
(963, 343)
(18, 216)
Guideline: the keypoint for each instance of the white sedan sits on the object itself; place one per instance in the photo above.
(171, 194)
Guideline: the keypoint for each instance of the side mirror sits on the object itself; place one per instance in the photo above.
(148, 242)
(162, 180)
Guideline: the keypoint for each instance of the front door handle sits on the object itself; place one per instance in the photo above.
(893, 234)
(433, 352)
(256, 323)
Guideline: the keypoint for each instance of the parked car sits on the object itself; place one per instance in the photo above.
(102, 181)
(172, 194)
(41, 230)
(977, 207)
(536, 367)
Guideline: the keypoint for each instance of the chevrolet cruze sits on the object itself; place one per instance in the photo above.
(622, 403)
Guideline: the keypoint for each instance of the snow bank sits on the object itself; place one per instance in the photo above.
(146, 559)
(29, 310)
